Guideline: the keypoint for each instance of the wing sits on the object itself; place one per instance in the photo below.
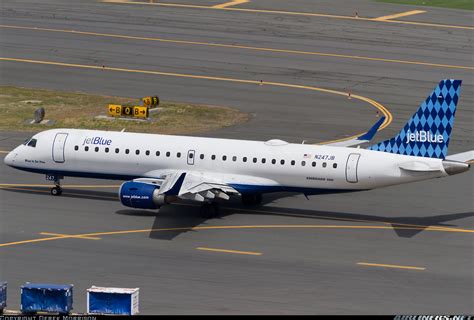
(366, 137)
(196, 186)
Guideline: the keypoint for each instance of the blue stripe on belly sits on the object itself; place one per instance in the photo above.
(242, 188)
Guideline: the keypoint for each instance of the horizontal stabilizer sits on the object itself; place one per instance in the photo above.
(418, 166)
(467, 156)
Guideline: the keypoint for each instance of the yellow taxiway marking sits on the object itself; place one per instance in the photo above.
(242, 47)
(230, 251)
(349, 227)
(381, 108)
(230, 4)
(399, 15)
(308, 14)
(69, 236)
(389, 266)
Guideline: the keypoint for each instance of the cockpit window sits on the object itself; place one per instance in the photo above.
(26, 141)
(32, 143)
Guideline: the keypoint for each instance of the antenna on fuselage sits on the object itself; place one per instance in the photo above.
(123, 130)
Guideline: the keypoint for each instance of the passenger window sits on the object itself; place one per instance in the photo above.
(303, 163)
(282, 162)
(224, 158)
(313, 163)
(96, 149)
(254, 160)
(213, 157)
(179, 155)
(264, 160)
(201, 156)
(234, 158)
(76, 148)
(274, 161)
(324, 164)
(137, 152)
(86, 148)
(32, 143)
(292, 162)
(334, 165)
(244, 159)
(127, 151)
(157, 153)
(147, 152)
(106, 150)
(190, 155)
(168, 154)
(117, 150)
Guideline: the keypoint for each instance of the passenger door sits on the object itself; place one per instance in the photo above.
(59, 146)
(351, 167)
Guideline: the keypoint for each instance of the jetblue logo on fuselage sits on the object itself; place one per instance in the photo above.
(424, 136)
(97, 141)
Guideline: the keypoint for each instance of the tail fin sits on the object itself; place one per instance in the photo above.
(427, 133)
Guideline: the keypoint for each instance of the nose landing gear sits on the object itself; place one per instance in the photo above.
(56, 190)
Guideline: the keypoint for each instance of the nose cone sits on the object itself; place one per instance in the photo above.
(10, 158)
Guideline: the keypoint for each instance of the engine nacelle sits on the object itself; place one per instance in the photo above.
(142, 195)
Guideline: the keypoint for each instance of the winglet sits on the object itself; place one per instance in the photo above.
(174, 190)
(372, 131)
(366, 137)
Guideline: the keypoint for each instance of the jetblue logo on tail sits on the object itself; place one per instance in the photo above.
(427, 133)
(423, 136)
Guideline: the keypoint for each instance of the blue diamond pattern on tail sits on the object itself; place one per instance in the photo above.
(428, 131)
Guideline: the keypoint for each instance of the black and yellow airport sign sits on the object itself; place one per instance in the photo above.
(140, 112)
(117, 110)
(114, 110)
(150, 102)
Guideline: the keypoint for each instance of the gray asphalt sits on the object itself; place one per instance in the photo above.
(301, 271)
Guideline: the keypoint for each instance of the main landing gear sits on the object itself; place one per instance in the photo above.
(56, 190)
(210, 210)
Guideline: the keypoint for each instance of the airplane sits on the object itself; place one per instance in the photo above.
(161, 169)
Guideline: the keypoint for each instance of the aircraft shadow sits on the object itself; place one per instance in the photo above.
(181, 218)
(68, 193)
(405, 226)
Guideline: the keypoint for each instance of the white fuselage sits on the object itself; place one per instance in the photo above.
(249, 166)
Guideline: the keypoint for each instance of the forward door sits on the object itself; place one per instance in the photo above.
(59, 146)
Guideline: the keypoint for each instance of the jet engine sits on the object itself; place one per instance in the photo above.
(142, 195)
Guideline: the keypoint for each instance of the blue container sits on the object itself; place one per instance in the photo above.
(118, 301)
(3, 295)
(46, 298)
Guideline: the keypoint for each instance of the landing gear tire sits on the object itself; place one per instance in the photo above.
(56, 191)
(252, 199)
(209, 210)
